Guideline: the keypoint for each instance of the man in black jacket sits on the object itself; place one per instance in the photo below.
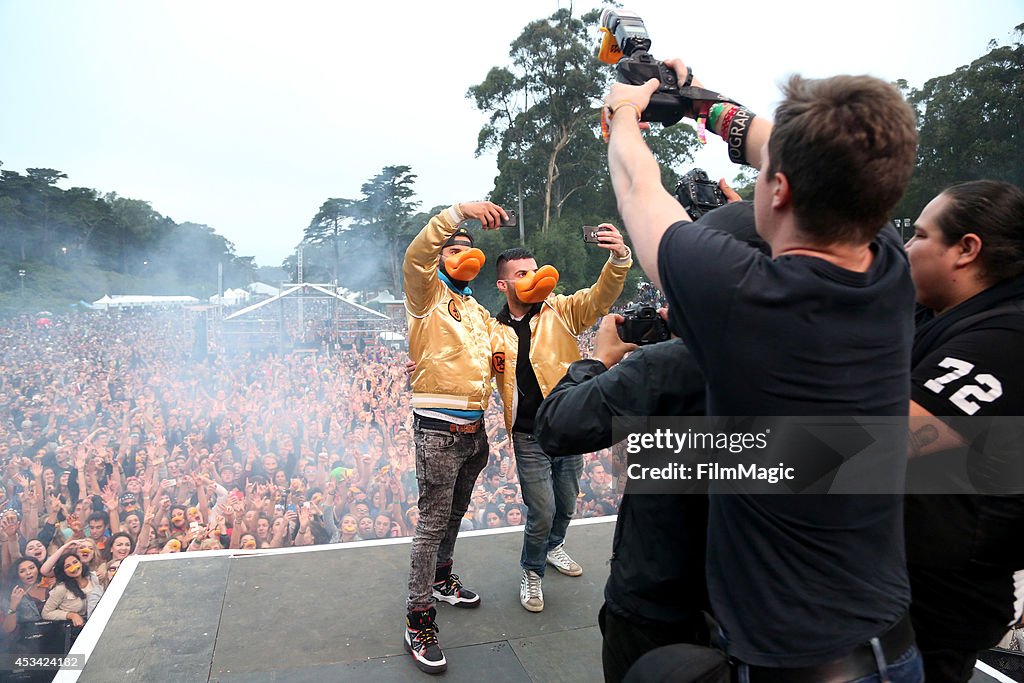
(656, 592)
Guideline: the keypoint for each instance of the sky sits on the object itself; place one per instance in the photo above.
(246, 116)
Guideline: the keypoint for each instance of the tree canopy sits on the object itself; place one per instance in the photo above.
(971, 125)
(53, 231)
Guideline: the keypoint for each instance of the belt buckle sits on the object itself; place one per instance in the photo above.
(471, 428)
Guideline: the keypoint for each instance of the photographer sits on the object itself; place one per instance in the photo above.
(532, 347)
(804, 587)
(656, 592)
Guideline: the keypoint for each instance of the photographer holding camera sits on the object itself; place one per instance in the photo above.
(655, 594)
(532, 346)
(805, 587)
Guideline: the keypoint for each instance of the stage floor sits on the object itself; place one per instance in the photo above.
(336, 613)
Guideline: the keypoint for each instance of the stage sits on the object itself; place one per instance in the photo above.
(336, 613)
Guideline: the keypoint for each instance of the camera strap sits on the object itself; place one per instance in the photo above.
(694, 94)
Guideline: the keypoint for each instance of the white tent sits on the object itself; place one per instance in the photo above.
(142, 301)
(263, 289)
(232, 297)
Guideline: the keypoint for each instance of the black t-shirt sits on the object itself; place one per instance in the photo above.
(962, 550)
(797, 580)
(530, 396)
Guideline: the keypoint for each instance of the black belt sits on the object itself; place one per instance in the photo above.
(858, 664)
(450, 427)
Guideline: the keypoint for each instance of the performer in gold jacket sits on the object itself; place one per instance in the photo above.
(449, 344)
(532, 347)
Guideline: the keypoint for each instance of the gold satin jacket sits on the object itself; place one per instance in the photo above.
(448, 332)
(554, 333)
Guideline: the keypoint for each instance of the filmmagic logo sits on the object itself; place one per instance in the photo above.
(712, 471)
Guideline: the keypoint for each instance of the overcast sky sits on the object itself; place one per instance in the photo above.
(246, 116)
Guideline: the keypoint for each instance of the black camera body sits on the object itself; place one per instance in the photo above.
(698, 194)
(635, 65)
(666, 105)
(642, 326)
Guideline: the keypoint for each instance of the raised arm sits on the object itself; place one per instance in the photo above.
(645, 206)
(421, 258)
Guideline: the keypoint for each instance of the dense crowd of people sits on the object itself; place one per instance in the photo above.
(114, 441)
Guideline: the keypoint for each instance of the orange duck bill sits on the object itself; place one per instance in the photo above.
(534, 287)
(465, 265)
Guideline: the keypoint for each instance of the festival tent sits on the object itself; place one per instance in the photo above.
(107, 302)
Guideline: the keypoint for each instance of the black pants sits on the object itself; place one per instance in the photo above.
(624, 642)
(948, 665)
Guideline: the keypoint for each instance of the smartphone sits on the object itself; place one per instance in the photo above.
(292, 508)
(172, 482)
(511, 222)
(590, 233)
(194, 526)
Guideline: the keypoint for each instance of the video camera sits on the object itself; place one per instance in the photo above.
(642, 326)
(698, 194)
(626, 44)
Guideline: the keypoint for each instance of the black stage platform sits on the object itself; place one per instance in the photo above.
(336, 613)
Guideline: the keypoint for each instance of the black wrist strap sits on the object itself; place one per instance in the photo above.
(736, 136)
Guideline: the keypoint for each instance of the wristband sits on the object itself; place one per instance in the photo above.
(736, 135)
(619, 105)
(724, 120)
(713, 115)
(606, 115)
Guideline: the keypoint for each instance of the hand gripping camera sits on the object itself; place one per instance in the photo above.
(642, 326)
(625, 44)
(698, 194)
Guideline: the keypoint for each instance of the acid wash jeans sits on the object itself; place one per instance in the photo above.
(447, 466)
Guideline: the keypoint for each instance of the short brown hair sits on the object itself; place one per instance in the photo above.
(847, 146)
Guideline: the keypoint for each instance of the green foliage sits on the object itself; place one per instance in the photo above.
(88, 245)
(362, 241)
(744, 182)
(541, 116)
(544, 122)
(971, 125)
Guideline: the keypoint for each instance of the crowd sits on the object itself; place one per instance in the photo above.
(114, 441)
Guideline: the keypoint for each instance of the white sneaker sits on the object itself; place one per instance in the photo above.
(531, 596)
(560, 560)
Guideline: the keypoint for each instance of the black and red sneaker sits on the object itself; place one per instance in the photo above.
(451, 590)
(421, 641)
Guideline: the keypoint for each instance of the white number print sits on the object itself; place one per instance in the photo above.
(986, 388)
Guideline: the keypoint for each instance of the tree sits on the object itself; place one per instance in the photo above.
(541, 106)
(544, 122)
(971, 125)
(327, 226)
(368, 236)
(744, 182)
(384, 213)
